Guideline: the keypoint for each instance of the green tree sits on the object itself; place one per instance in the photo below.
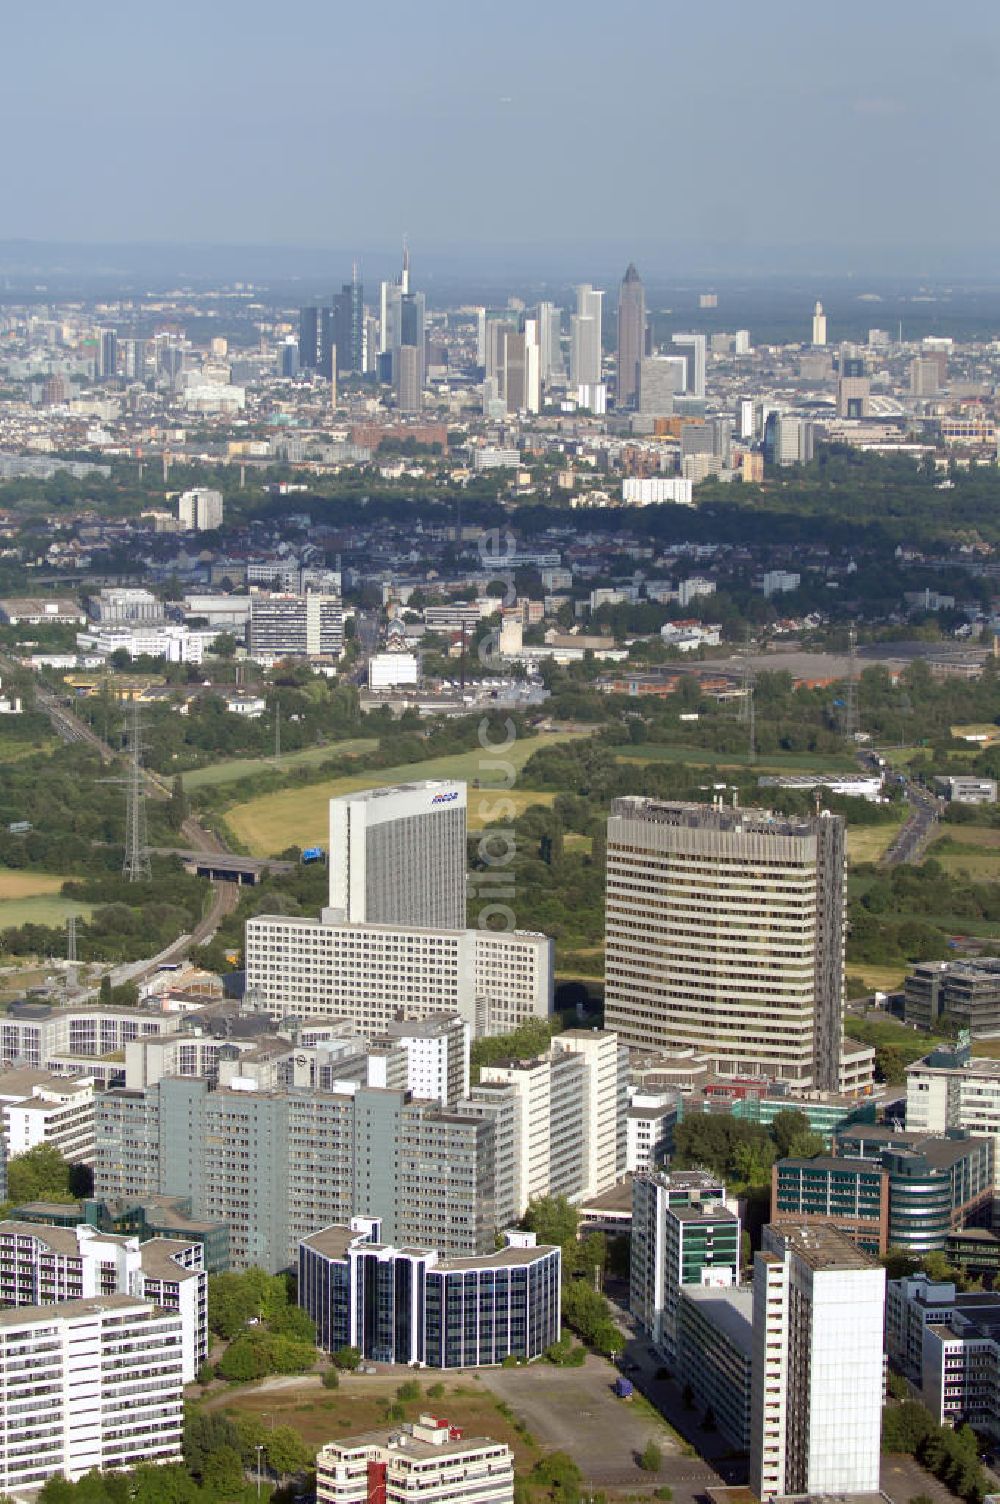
(651, 1458)
(40, 1174)
(347, 1358)
(286, 1452)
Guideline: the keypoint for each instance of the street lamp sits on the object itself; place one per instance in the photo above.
(260, 1448)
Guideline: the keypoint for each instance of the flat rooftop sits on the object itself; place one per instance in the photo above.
(743, 820)
(824, 1247)
(731, 1311)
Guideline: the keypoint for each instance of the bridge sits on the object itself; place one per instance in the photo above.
(225, 867)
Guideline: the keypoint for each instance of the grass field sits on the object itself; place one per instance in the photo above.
(233, 769)
(703, 757)
(34, 898)
(867, 843)
(320, 1415)
(298, 817)
(877, 978)
(986, 1049)
(974, 849)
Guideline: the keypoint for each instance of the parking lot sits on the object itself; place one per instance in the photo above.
(574, 1410)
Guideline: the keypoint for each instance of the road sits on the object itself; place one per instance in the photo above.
(912, 839)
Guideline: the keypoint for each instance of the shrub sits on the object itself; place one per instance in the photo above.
(331, 1379)
(651, 1458)
(346, 1357)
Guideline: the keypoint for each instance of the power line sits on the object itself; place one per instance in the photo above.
(851, 718)
(136, 866)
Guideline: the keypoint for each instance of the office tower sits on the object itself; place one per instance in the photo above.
(585, 337)
(406, 379)
(397, 856)
(521, 369)
(349, 324)
(481, 322)
(725, 932)
(200, 510)
(288, 359)
(788, 439)
(746, 420)
(437, 1056)
(552, 367)
(309, 338)
(41, 1265)
(277, 1163)
(661, 377)
(408, 1305)
(419, 1462)
(925, 377)
(819, 325)
(106, 361)
(853, 385)
(631, 336)
(88, 1384)
(326, 359)
(695, 384)
(682, 1234)
(134, 359)
(817, 1376)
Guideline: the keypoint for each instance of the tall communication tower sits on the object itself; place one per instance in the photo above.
(136, 866)
(851, 719)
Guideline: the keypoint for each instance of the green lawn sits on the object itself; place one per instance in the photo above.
(43, 909)
(298, 816)
(771, 762)
(231, 770)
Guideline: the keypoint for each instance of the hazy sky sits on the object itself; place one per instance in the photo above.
(854, 132)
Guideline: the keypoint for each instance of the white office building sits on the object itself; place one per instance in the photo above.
(950, 1089)
(393, 670)
(586, 337)
(88, 1384)
(639, 491)
(697, 344)
(397, 856)
(816, 1401)
(373, 974)
(426, 1461)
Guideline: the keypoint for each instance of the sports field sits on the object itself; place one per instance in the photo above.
(232, 769)
(34, 898)
(298, 817)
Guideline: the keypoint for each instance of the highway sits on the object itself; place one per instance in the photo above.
(912, 839)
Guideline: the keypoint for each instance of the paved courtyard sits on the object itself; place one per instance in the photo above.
(574, 1410)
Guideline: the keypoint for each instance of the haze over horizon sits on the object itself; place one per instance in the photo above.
(845, 141)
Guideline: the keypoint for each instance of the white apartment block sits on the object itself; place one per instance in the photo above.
(397, 855)
(817, 1380)
(41, 1265)
(88, 1384)
(951, 1089)
(423, 1462)
(568, 1109)
(39, 1108)
(374, 974)
(437, 1056)
(199, 510)
(725, 934)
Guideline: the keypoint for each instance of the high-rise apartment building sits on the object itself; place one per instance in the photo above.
(279, 1164)
(725, 932)
(682, 1234)
(88, 1384)
(41, 1265)
(397, 855)
(421, 1462)
(295, 626)
(816, 1400)
(199, 510)
(631, 336)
